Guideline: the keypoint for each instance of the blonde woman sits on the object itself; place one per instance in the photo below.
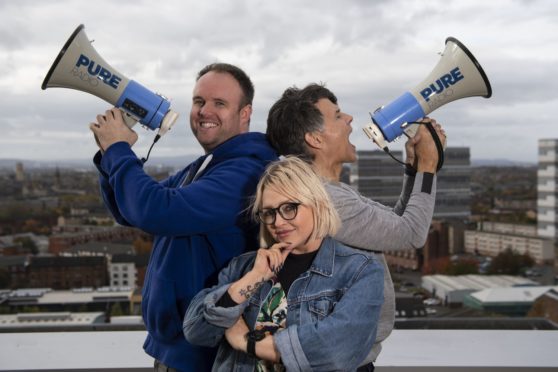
(303, 302)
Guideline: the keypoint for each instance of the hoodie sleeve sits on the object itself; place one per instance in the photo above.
(210, 203)
(107, 192)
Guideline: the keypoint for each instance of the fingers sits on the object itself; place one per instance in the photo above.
(101, 119)
(437, 127)
(284, 248)
(108, 116)
(275, 256)
(441, 133)
(411, 142)
(275, 260)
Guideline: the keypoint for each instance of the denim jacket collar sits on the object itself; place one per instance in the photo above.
(324, 262)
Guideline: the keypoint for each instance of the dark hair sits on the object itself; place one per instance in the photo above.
(237, 73)
(294, 115)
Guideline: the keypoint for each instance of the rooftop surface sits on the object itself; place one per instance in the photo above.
(404, 350)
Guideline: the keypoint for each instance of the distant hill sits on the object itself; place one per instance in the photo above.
(500, 163)
(174, 162)
(180, 161)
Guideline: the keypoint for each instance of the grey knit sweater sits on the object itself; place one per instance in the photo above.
(372, 226)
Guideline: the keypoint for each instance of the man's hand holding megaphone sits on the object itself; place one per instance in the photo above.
(78, 66)
(422, 151)
(110, 128)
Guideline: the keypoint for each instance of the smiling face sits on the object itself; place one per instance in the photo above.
(297, 231)
(216, 114)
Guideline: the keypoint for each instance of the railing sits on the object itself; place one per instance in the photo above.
(404, 351)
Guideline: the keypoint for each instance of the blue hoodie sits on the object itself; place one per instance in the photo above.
(198, 228)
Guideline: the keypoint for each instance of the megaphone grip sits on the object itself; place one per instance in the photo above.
(438, 143)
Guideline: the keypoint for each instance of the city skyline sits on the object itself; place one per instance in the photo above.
(368, 53)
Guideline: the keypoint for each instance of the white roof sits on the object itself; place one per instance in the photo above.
(478, 282)
(50, 319)
(126, 319)
(78, 295)
(514, 294)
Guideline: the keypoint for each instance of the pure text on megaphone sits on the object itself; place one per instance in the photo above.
(457, 75)
(78, 66)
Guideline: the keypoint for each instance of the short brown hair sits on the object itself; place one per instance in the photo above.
(238, 74)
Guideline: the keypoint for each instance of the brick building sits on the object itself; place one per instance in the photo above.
(71, 236)
(62, 272)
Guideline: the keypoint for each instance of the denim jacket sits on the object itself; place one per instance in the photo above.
(332, 317)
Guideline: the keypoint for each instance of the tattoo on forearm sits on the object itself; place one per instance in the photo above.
(250, 290)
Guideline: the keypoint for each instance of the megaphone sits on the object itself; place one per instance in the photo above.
(457, 75)
(78, 66)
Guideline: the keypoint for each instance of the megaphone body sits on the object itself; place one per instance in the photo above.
(457, 75)
(78, 66)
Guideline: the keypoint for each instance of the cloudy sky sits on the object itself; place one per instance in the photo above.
(367, 52)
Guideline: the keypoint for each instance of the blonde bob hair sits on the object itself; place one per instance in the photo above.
(295, 179)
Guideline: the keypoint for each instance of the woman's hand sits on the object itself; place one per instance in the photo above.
(268, 263)
(236, 335)
(265, 349)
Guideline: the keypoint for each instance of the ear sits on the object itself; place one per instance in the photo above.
(313, 140)
(245, 114)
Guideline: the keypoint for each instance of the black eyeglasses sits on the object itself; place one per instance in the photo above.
(287, 211)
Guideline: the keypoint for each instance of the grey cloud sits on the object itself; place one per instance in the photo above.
(367, 52)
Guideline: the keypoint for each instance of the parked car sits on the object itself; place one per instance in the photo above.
(533, 272)
(430, 311)
(420, 295)
(431, 302)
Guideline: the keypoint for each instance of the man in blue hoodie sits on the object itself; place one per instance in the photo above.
(196, 216)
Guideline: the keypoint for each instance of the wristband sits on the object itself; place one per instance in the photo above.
(251, 338)
(410, 171)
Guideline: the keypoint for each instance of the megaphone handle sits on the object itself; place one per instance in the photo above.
(129, 120)
(438, 143)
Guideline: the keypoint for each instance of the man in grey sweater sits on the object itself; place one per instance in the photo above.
(308, 123)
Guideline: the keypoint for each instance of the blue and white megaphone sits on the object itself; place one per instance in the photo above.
(78, 66)
(457, 75)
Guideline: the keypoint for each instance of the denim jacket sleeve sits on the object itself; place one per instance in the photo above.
(205, 323)
(341, 340)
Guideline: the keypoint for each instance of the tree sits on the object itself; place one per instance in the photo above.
(463, 267)
(116, 309)
(142, 246)
(437, 265)
(27, 243)
(509, 262)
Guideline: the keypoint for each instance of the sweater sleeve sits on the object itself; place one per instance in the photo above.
(406, 191)
(210, 203)
(372, 226)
